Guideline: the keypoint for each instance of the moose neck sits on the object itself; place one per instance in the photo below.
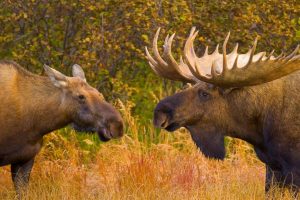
(44, 105)
(249, 108)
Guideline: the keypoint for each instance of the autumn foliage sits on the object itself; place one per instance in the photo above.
(107, 37)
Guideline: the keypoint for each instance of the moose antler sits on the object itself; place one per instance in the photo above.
(168, 67)
(237, 70)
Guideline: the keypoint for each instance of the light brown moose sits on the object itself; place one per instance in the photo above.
(249, 96)
(32, 106)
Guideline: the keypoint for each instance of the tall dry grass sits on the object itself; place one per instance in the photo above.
(142, 165)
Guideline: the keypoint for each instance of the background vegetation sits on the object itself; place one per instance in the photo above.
(107, 38)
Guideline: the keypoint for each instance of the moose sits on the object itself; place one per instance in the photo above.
(253, 96)
(33, 106)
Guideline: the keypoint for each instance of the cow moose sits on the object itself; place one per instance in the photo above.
(33, 106)
(253, 97)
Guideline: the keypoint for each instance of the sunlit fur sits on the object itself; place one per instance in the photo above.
(32, 106)
(267, 116)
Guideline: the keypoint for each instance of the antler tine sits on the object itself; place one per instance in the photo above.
(172, 62)
(155, 69)
(293, 53)
(192, 31)
(235, 48)
(193, 35)
(195, 58)
(206, 51)
(251, 51)
(166, 39)
(155, 50)
(216, 50)
(189, 53)
(168, 45)
(170, 41)
(270, 55)
(193, 49)
(149, 57)
(260, 59)
(283, 57)
(156, 62)
(235, 64)
(225, 65)
(280, 55)
(295, 58)
(168, 68)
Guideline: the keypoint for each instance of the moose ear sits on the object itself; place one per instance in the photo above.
(57, 78)
(77, 71)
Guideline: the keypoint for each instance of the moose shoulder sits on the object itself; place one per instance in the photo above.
(32, 106)
(249, 96)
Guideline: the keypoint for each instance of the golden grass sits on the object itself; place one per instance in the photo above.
(136, 167)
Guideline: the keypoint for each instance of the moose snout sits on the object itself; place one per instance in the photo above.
(112, 129)
(116, 128)
(162, 116)
(112, 125)
(160, 119)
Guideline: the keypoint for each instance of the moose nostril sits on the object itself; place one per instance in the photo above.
(160, 119)
(117, 128)
(162, 115)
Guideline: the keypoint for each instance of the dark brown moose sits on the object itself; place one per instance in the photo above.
(32, 106)
(254, 97)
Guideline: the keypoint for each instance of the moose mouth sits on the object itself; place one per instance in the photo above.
(104, 134)
(172, 127)
(165, 124)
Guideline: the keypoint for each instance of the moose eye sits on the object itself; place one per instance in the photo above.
(203, 95)
(81, 97)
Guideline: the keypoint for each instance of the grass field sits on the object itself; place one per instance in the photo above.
(142, 165)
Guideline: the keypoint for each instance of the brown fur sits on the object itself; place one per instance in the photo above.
(32, 106)
(267, 116)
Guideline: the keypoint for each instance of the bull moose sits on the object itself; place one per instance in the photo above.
(32, 106)
(253, 97)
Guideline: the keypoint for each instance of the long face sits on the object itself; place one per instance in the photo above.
(200, 109)
(90, 111)
(87, 108)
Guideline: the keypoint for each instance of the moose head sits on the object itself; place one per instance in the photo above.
(84, 106)
(229, 92)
